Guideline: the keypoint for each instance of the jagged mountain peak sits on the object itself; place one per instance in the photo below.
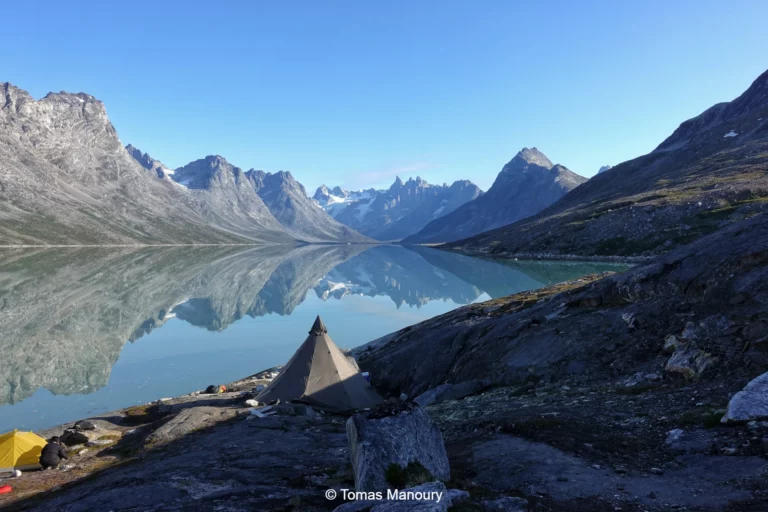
(216, 160)
(64, 96)
(604, 168)
(529, 156)
(322, 193)
(149, 163)
(200, 173)
(526, 185)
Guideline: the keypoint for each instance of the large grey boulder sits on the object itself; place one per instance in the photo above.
(429, 497)
(447, 392)
(189, 420)
(749, 404)
(397, 443)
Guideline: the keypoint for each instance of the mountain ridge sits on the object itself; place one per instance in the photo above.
(396, 212)
(528, 183)
(711, 171)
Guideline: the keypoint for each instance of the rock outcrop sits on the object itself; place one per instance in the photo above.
(445, 392)
(395, 449)
(749, 404)
(709, 294)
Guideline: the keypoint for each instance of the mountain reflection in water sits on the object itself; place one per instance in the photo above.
(66, 314)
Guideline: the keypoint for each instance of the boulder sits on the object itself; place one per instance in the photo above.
(84, 425)
(72, 437)
(446, 392)
(429, 497)
(671, 343)
(749, 404)
(689, 361)
(389, 446)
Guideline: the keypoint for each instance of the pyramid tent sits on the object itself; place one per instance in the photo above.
(321, 375)
(20, 450)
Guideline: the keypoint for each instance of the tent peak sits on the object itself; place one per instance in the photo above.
(318, 328)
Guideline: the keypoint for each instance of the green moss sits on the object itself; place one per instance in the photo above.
(704, 417)
(636, 390)
(411, 475)
(620, 246)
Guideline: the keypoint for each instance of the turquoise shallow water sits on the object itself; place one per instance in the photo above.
(86, 331)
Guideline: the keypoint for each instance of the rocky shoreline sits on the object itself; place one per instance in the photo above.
(542, 256)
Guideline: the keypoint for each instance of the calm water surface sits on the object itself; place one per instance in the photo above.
(86, 331)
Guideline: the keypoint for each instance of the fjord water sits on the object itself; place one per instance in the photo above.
(88, 330)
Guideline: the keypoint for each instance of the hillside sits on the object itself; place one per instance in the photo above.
(713, 170)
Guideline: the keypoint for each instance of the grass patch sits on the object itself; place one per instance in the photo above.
(409, 476)
(636, 390)
(707, 418)
(110, 437)
(620, 246)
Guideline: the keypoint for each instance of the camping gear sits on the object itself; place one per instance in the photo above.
(20, 450)
(321, 375)
(211, 390)
(5, 489)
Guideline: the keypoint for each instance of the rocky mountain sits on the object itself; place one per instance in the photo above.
(713, 170)
(336, 199)
(288, 202)
(148, 162)
(397, 212)
(525, 186)
(65, 178)
(604, 168)
(228, 196)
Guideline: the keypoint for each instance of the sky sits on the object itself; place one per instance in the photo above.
(356, 93)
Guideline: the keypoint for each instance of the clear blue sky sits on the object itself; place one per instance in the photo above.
(354, 92)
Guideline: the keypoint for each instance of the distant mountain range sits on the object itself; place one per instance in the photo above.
(397, 212)
(525, 186)
(712, 171)
(66, 179)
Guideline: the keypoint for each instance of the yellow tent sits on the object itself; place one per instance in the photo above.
(20, 450)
